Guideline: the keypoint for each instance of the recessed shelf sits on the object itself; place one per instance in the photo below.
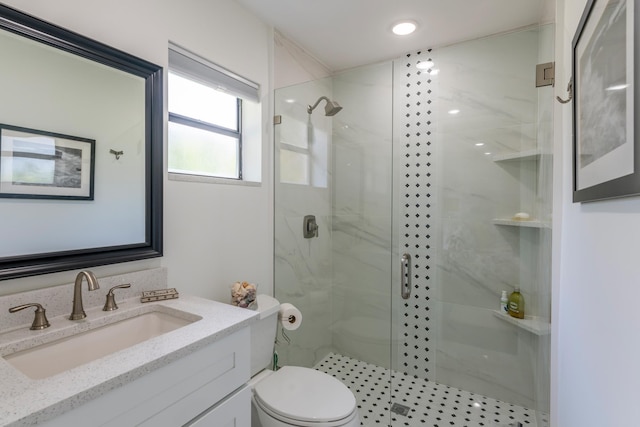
(533, 154)
(521, 223)
(535, 325)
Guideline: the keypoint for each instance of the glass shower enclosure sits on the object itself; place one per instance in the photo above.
(431, 192)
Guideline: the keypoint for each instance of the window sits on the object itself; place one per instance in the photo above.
(303, 148)
(207, 104)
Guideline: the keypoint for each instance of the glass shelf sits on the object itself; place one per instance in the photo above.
(535, 325)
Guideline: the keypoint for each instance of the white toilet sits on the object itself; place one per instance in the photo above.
(293, 396)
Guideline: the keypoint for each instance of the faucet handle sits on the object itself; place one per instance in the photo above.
(40, 320)
(110, 304)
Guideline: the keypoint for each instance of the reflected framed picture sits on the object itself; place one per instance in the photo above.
(606, 156)
(36, 164)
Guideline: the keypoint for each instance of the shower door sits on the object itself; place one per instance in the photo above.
(472, 135)
(414, 185)
(339, 170)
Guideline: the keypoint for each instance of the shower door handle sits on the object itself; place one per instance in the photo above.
(405, 276)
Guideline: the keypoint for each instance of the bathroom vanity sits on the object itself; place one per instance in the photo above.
(194, 372)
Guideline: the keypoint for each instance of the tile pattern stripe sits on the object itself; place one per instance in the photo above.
(416, 194)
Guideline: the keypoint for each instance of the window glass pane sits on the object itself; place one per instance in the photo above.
(294, 167)
(200, 152)
(197, 101)
(297, 132)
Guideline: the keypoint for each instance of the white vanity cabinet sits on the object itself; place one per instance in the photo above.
(204, 388)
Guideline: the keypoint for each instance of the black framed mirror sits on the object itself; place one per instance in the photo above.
(59, 90)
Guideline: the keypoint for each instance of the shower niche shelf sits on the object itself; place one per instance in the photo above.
(535, 325)
(533, 154)
(519, 223)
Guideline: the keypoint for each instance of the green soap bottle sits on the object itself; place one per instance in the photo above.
(516, 304)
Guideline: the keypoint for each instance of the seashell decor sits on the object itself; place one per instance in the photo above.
(243, 294)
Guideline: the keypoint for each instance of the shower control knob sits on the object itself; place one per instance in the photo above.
(309, 227)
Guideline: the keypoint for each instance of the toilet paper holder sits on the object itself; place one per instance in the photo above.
(289, 317)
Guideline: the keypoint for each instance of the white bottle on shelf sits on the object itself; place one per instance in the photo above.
(504, 301)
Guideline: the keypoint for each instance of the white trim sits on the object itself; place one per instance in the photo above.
(211, 180)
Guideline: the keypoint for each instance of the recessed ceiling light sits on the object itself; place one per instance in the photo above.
(424, 65)
(453, 112)
(289, 101)
(479, 144)
(404, 28)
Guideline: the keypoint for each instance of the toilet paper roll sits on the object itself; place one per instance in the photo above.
(289, 316)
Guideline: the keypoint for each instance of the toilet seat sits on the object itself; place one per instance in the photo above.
(305, 397)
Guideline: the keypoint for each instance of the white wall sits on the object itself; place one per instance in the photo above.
(213, 234)
(293, 65)
(595, 322)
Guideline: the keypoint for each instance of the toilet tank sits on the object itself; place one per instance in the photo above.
(263, 333)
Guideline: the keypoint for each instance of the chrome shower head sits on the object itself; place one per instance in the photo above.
(331, 109)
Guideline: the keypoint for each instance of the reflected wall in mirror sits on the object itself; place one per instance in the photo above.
(56, 80)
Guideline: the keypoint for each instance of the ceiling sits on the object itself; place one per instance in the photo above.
(344, 34)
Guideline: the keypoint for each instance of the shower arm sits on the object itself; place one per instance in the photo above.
(310, 108)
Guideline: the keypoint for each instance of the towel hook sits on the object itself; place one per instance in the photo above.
(569, 90)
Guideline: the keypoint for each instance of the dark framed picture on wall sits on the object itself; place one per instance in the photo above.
(606, 155)
(36, 164)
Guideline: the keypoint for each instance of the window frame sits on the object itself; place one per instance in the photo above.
(200, 70)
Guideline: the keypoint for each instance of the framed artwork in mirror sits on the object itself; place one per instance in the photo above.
(606, 155)
(45, 165)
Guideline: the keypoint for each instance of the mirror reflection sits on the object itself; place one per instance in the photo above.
(54, 91)
(100, 95)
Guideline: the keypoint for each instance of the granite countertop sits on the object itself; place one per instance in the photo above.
(25, 401)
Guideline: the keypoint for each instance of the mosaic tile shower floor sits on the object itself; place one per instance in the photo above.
(430, 404)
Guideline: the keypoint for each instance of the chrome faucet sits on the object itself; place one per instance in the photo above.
(77, 312)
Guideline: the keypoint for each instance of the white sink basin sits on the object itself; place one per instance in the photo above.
(58, 356)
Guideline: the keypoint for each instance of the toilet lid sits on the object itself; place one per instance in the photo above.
(305, 394)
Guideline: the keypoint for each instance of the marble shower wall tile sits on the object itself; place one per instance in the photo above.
(303, 267)
(340, 280)
(491, 82)
(361, 247)
(480, 353)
